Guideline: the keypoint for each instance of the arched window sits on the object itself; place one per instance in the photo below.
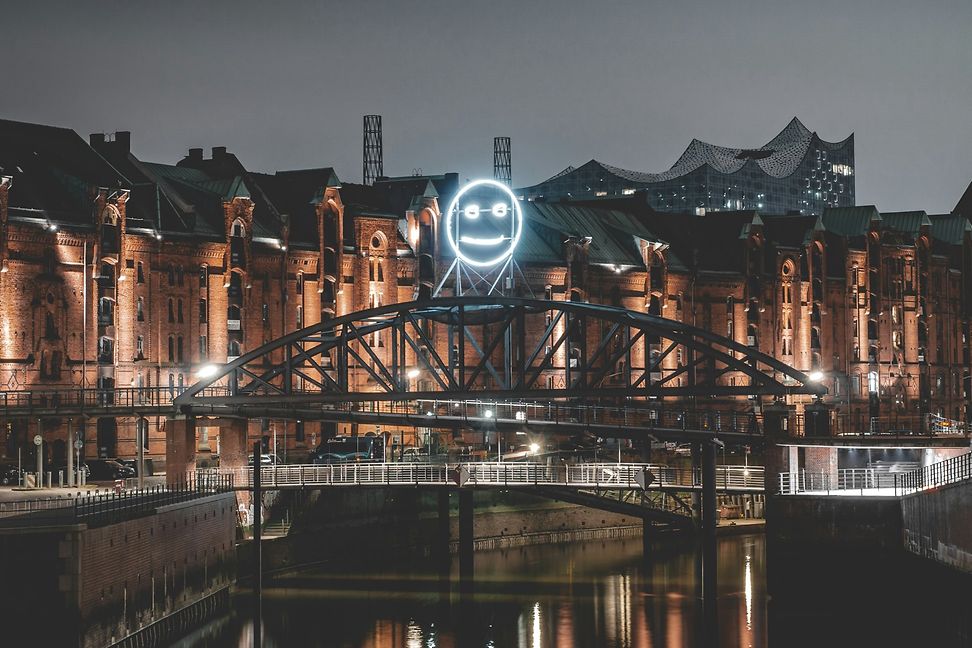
(375, 270)
(300, 283)
(300, 317)
(235, 348)
(139, 273)
(238, 229)
(171, 310)
(179, 355)
(171, 349)
(140, 309)
(203, 276)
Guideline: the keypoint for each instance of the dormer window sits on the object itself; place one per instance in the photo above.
(238, 229)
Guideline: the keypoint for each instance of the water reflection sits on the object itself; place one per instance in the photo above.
(586, 594)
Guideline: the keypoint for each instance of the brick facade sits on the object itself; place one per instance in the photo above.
(159, 270)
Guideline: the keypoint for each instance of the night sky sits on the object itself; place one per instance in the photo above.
(284, 84)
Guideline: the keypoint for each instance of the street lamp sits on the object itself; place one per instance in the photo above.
(206, 371)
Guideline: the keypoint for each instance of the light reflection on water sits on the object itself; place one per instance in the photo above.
(584, 594)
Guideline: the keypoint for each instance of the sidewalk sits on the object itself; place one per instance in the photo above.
(20, 494)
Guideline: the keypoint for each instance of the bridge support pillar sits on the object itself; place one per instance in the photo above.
(442, 535)
(777, 427)
(465, 537)
(709, 553)
(645, 540)
(233, 447)
(180, 448)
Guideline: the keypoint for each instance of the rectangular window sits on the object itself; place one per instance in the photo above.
(203, 348)
(202, 310)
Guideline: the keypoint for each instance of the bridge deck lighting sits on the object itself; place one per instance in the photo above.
(534, 448)
(488, 413)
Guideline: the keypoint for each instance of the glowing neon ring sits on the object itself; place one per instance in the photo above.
(516, 214)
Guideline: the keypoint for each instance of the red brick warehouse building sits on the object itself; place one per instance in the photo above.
(119, 272)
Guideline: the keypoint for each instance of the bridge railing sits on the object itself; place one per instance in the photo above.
(100, 509)
(88, 398)
(845, 481)
(514, 473)
(939, 473)
(875, 481)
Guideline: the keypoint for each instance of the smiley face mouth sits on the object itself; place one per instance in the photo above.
(475, 240)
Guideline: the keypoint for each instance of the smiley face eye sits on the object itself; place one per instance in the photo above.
(499, 210)
(471, 212)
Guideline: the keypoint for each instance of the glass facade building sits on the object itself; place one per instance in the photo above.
(795, 172)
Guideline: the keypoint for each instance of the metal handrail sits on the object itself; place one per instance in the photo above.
(99, 509)
(494, 474)
(873, 481)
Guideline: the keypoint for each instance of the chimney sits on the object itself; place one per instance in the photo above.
(195, 154)
(95, 139)
(123, 140)
(219, 152)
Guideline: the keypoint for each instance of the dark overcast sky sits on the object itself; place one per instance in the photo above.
(284, 84)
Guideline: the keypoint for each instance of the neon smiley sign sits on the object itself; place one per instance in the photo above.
(484, 223)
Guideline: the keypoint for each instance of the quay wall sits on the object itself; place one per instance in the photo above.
(938, 525)
(91, 587)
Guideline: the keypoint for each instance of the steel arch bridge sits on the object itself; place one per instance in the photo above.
(489, 348)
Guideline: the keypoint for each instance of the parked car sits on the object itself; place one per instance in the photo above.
(133, 464)
(10, 474)
(56, 468)
(344, 449)
(108, 469)
(265, 460)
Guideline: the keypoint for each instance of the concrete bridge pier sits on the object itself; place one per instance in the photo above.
(440, 546)
(465, 538)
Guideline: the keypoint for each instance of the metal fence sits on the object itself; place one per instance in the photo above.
(874, 481)
(939, 473)
(101, 509)
(502, 474)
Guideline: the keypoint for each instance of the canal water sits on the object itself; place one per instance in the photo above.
(602, 594)
(597, 593)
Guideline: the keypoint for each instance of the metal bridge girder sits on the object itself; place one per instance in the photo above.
(464, 347)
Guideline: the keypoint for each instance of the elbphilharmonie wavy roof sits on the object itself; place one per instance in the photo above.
(779, 158)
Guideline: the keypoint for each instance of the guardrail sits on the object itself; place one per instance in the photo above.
(939, 473)
(109, 508)
(872, 481)
(849, 481)
(494, 474)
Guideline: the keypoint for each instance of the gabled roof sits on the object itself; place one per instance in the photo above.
(613, 233)
(850, 221)
(964, 205)
(53, 171)
(296, 194)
